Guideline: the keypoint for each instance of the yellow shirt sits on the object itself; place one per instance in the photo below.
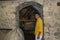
(39, 26)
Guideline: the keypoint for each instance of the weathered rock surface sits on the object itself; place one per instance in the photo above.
(51, 14)
(16, 34)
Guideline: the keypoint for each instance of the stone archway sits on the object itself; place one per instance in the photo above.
(35, 5)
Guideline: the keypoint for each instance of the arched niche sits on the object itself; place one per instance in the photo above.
(35, 6)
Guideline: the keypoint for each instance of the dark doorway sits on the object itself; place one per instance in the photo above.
(26, 20)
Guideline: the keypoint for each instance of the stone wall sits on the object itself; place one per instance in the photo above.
(52, 23)
(7, 15)
(51, 16)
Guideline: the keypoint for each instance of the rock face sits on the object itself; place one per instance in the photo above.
(51, 14)
(16, 34)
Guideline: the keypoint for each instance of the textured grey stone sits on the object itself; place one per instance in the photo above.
(16, 34)
(51, 17)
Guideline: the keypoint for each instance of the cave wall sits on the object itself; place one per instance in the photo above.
(51, 14)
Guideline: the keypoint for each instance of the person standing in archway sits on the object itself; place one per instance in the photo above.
(38, 28)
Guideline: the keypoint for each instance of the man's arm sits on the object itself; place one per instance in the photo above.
(38, 35)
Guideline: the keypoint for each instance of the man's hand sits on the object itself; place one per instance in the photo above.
(38, 35)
